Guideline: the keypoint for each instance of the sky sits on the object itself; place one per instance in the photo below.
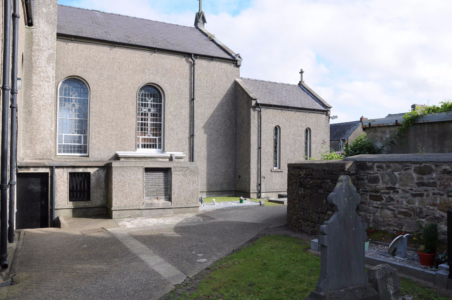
(365, 57)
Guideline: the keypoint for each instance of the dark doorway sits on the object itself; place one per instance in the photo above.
(32, 200)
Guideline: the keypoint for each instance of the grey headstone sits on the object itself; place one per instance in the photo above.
(315, 245)
(385, 280)
(399, 246)
(342, 239)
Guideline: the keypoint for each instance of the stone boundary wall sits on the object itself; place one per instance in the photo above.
(398, 191)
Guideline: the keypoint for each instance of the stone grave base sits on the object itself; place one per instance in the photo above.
(363, 292)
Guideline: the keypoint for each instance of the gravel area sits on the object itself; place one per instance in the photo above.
(381, 252)
(219, 205)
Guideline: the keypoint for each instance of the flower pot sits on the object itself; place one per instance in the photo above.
(427, 259)
(371, 231)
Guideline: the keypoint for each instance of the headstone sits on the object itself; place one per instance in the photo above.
(385, 280)
(342, 239)
(315, 245)
(399, 246)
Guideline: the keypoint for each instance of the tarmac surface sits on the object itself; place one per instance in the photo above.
(139, 258)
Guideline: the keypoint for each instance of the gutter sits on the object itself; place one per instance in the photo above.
(13, 150)
(4, 146)
(193, 109)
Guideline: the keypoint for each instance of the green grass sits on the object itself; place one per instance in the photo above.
(226, 199)
(274, 267)
(410, 287)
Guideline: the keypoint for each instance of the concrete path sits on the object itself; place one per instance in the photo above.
(130, 259)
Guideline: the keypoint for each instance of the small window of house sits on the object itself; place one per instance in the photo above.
(277, 148)
(308, 143)
(79, 187)
(73, 114)
(157, 185)
(150, 119)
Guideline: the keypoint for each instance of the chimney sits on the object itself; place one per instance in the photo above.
(362, 119)
(200, 19)
(416, 107)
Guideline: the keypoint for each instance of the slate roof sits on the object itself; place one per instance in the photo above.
(287, 95)
(109, 27)
(342, 131)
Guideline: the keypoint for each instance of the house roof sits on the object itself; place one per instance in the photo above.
(286, 95)
(397, 119)
(77, 22)
(342, 131)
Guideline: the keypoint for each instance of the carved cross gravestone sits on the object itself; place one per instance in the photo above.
(342, 239)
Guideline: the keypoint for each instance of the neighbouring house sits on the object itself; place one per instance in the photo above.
(125, 116)
(341, 134)
(429, 134)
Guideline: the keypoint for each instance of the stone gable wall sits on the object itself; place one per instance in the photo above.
(395, 195)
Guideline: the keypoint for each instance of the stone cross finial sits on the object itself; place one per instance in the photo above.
(301, 73)
(200, 19)
(342, 239)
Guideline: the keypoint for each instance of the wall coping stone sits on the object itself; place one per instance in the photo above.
(430, 157)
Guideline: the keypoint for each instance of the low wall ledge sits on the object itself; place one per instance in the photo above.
(428, 157)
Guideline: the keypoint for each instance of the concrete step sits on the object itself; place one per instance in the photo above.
(280, 201)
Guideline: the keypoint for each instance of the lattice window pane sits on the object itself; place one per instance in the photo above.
(73, 109)
(149, 119)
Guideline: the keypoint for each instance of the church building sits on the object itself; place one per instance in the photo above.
(126, 117)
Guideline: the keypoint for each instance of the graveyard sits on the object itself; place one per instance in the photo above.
(289, 267)
(270, 268)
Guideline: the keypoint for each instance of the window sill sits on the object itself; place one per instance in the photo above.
(143, 154)
(277, 170)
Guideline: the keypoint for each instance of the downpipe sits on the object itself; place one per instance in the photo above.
(193, 109)
(4, 146)
(13, 145)
(260, 151)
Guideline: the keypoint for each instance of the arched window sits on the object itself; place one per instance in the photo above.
(73, 117)
(277, 148)
(150, 119)
(308, 143)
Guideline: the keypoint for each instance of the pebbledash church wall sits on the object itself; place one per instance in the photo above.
(398, 191)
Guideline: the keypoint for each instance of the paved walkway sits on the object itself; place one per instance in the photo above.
(130, 259)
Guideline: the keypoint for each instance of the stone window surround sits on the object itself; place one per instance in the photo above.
(147, 154)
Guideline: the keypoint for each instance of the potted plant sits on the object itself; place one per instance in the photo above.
(427, 252)
(371, 229)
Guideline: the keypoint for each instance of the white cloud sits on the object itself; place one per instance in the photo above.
(366, 58)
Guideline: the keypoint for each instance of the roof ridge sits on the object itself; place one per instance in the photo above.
(269, 81)
(109, 13)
